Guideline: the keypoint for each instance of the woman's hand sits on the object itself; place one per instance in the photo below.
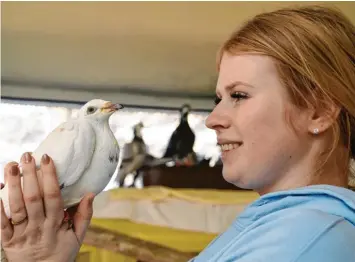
(37, 231)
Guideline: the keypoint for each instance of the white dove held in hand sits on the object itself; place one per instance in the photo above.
(84, 150)
(85, 153)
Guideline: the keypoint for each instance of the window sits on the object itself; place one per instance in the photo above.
(25, 124)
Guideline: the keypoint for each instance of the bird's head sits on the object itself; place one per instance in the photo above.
(98, 110)
(138, 129)
(185, 109)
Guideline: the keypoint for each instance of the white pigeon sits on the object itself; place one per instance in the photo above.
(84, 150)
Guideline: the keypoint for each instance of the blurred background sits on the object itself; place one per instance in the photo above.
(154, 58)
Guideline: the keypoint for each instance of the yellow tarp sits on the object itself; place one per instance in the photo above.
(208, 196)
(92, 254)
(182, 240)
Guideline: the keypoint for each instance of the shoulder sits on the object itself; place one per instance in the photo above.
(300, 234)
(294, 235)
(320, 236)
(336, 243)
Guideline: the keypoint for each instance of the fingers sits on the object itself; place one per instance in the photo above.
(31, 191)
(6, 228)
(16, 202)
(52, 197)
(83, 216)
(7, 169)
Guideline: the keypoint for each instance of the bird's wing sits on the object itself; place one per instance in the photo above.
(171, 148)
(186, 143)
(71, 146)
(137, 161)
(190, 138)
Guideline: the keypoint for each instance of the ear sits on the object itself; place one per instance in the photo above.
(323, 118)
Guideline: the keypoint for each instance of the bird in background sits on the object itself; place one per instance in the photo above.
(133, 155)
(180, 146)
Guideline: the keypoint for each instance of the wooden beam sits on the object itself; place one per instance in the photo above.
(133, 247)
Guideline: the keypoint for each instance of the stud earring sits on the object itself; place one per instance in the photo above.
(315, 131)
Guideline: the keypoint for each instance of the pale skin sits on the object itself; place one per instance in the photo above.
(269, 156)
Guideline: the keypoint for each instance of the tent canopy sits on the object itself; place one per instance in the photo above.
(142, 53)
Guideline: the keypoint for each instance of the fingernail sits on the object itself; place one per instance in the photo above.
(26, 158)
(14, 170)
(20, 168)
(45, 159)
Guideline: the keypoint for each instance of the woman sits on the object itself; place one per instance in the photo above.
(285, 120)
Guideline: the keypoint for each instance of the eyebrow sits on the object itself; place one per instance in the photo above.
(237, 83)
(234, 84)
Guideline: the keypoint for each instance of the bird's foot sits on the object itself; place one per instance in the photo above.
(68, 219)
(184, 162)
(188, 162)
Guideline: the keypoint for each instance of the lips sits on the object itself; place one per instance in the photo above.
(230, 146)
(227, 147)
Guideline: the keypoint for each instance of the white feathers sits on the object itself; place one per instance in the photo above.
(85, 153)
(71, 146)
(84, 150)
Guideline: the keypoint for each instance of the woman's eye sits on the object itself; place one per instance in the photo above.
(236, 96)
(239, 95)
(217, 100)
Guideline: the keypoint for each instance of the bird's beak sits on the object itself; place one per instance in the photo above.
(110, 107)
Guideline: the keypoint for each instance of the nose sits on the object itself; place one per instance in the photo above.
(217, 119)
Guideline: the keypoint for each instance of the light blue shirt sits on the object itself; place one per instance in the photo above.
(309, 224)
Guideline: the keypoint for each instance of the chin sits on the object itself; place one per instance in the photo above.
(235, 178)
(231, 177)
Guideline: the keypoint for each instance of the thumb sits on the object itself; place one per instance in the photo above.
(83, 215)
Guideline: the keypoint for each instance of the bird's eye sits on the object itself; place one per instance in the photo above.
(91, 110)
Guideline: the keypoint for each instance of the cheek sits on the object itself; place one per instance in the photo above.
(260, 119)
(264, 129)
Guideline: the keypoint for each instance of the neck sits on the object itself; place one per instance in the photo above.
(100, 125)
(138, 137)
(304, 173)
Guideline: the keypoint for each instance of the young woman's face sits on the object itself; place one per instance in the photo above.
(258, 143)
